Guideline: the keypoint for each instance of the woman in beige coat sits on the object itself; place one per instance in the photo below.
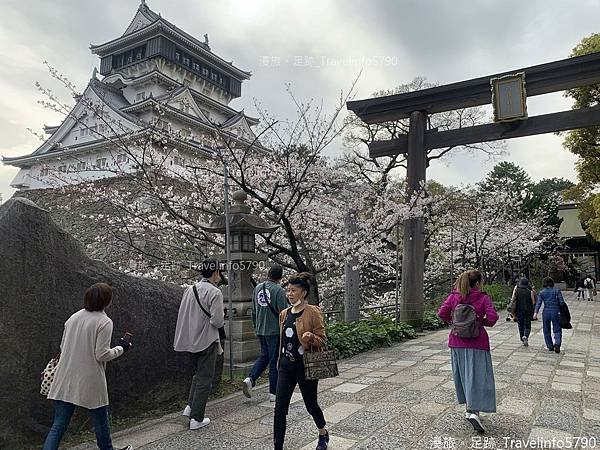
(79, 379)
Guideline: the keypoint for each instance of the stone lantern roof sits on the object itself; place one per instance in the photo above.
(240, 219)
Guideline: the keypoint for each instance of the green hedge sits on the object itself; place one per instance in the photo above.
(349, 339)
(500, 294)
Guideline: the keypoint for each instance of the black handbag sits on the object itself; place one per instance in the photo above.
(320, 364)
(222, 334)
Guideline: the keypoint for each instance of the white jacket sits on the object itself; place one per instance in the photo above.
(85, 349)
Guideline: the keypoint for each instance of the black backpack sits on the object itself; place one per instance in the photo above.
(587, 283)
(465, 323)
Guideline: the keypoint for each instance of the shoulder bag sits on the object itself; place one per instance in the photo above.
(222, 334)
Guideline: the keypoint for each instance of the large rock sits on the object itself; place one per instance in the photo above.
(43, 275)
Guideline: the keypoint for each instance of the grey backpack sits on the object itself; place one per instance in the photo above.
(464, 321)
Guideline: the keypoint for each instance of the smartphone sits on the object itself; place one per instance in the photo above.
(127, 337)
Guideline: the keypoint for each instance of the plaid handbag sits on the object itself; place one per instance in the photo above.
(320, 364)
(47, 376)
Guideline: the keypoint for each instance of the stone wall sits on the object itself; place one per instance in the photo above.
(43, 275)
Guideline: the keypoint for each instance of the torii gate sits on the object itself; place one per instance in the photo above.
(541, 79)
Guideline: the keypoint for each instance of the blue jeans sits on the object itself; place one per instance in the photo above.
(63, 412)
(551, 318)
(269, 348)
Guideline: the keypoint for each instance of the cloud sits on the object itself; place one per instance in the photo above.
(391, 42)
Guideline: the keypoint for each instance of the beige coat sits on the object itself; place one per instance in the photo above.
(85, 349)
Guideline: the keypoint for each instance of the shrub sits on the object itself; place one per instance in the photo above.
(431, 320)
(349, 339)
(500, 295)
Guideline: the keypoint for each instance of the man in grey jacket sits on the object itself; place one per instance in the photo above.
(197, 332)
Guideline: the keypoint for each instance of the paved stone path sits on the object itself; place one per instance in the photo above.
(403, 398)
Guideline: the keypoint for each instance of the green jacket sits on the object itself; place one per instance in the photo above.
(265, 323)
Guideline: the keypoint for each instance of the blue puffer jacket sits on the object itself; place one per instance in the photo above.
(551, 298)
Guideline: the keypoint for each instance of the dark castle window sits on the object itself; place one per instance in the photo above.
(129, 57)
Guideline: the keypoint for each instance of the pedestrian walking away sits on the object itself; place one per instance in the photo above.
(302, 329)
(552, 299)
(589, 289)
(197, 332)
(268, 300)
(470, 310)
(524, 304)
(79, 379)
(579, 289)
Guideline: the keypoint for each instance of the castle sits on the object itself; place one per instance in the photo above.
(155, 77)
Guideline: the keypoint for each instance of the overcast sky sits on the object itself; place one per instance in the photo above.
(391, 41)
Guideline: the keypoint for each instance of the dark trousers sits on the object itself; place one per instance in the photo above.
(551, 318)
(290, 374)
(63, 412)
(204, 362)
(524, 321)
(269, 347)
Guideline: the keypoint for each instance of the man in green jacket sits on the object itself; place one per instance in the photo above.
(268, 300)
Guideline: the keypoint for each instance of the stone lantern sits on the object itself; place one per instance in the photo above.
(243, 228)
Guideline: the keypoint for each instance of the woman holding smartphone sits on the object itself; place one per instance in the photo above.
(79, 379)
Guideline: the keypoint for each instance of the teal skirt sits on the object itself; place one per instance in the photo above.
(473, 375)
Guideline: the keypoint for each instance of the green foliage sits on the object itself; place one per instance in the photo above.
(500, 295)
(349, 339)
(431, 321)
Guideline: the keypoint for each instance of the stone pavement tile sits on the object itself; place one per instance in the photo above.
(450, 384)
(428, 352)
(151, 434)
(591, 386)
(567, 363)
(360, 370)
(409, 426)
(372, 393)
(591, 414)
(566, 387)
(388, 408)
(296, 396)
(380, 374)
(381, 442)
(444, 396)
(405, 396)
(516, 406)
(593, 373)
(349, 387)
(415, 348)
(404, 363)
(190, 440)
(433, 378)
(330, 382)
(366, 380)
(568, 373)
(255, 430)
(423, 385)
(590, 428)
(533, 379)
(300, 433)
(403, 378)
(361, 424)
(339, 411)
(244, 415)
(547, 434)
(348, 375)
(378, 363)
(429, 408)
(335, 443)
(447, 367)
(506, 426)
(567, 380)
(556, 419)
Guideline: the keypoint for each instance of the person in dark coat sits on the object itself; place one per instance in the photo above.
(524, 303)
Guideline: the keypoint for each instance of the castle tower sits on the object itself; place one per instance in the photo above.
(154, 76)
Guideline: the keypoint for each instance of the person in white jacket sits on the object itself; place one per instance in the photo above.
(79, 379)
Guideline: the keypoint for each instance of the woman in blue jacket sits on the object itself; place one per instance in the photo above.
(552, 299)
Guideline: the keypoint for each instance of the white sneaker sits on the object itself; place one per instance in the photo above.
(247, 387)
(476, 422)
(272, 398)
(187, 412)
(195, 425)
